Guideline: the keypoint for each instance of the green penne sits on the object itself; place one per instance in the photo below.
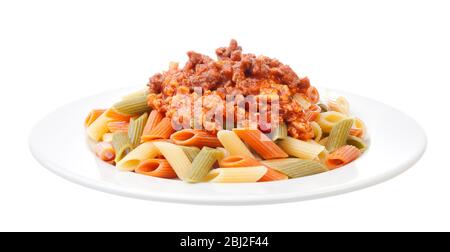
(280, 132)
(136, 128)
(122, 145)
(136, 95)
(296, 168)
(323, 107)
(202, 164)
(135, 105)
(357, 142)
(339, 134)
(191, 152)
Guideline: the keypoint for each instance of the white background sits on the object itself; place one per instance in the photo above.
(54, 52)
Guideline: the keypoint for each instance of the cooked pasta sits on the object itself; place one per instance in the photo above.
(162, 131)
(176, 158)
(342, 156)
(233, 144)
(135, 106)
(92, 116)
(203, 164)
(119, 126)
(198, 138)
(122, 145)
(328, 119)
(259, 142)
(153, 120)
(301, 149)
(143, 152)
(98, 128)
(236, 175)
(105, 151)
(339, 134)
(191, 152)
(237, 119)
(280, 132)
(136, 128)
(296, 168)
(238, 161)
(156, 168)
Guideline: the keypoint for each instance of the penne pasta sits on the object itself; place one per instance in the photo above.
(197, 138)
(273, 175)
(162, 131)
(135, 106)
(105, 151)
(342, 156)
(176, 158)
(202, 164)
(340, 105)
(339, 134)
(153, 120)
(259, 142)
(296, 168)
(358, 129)
(136, 128)
(357, 142)
(238, 161)
(107, 137)
(317, 131)
(328, 119)
(301, 149)
(302, 100)
(143, 152)
(236, 175)
(120, 126)
(156, 168)
(280, 132)
(116, 116)
(92, 116)
(136, 94)
(98, 128)
(191, 152)
(233, 144)
(122, 145)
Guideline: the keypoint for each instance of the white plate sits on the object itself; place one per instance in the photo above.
(59, 143)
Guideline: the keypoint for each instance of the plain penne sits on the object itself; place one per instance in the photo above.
(105, 151)
(342, 156)
(135, 106)
(259, 142)
(296, 168)
(233, 144)
(280, 132)
(302, 100)
(98, 128)
(92, 116)
(198, 138)
(135, 94)
(301, 149)
(143, 152)
(162, 131)
(203, 164)
(136, 128)
(236, 175)
(122, 145)
(328, 119)
(317, 131)
(156, 168)
(339, 134)
(176, 158)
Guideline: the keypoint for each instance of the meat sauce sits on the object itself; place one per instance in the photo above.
(238, 74)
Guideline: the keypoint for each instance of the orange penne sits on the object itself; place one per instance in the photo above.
(116, 116)
(162, 131)
(312, 113)
(356, 132)
(92, 116)
(265, 147)
(198, 138)
(312, 94)
(273, 175)
(342, 156)
(153, 120)
(118, 126)
(105, 151)
(156, 168)
(238, 161)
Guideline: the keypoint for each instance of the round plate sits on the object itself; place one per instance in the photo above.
(59, 143)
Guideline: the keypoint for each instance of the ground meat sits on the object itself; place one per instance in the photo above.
(236, 73)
